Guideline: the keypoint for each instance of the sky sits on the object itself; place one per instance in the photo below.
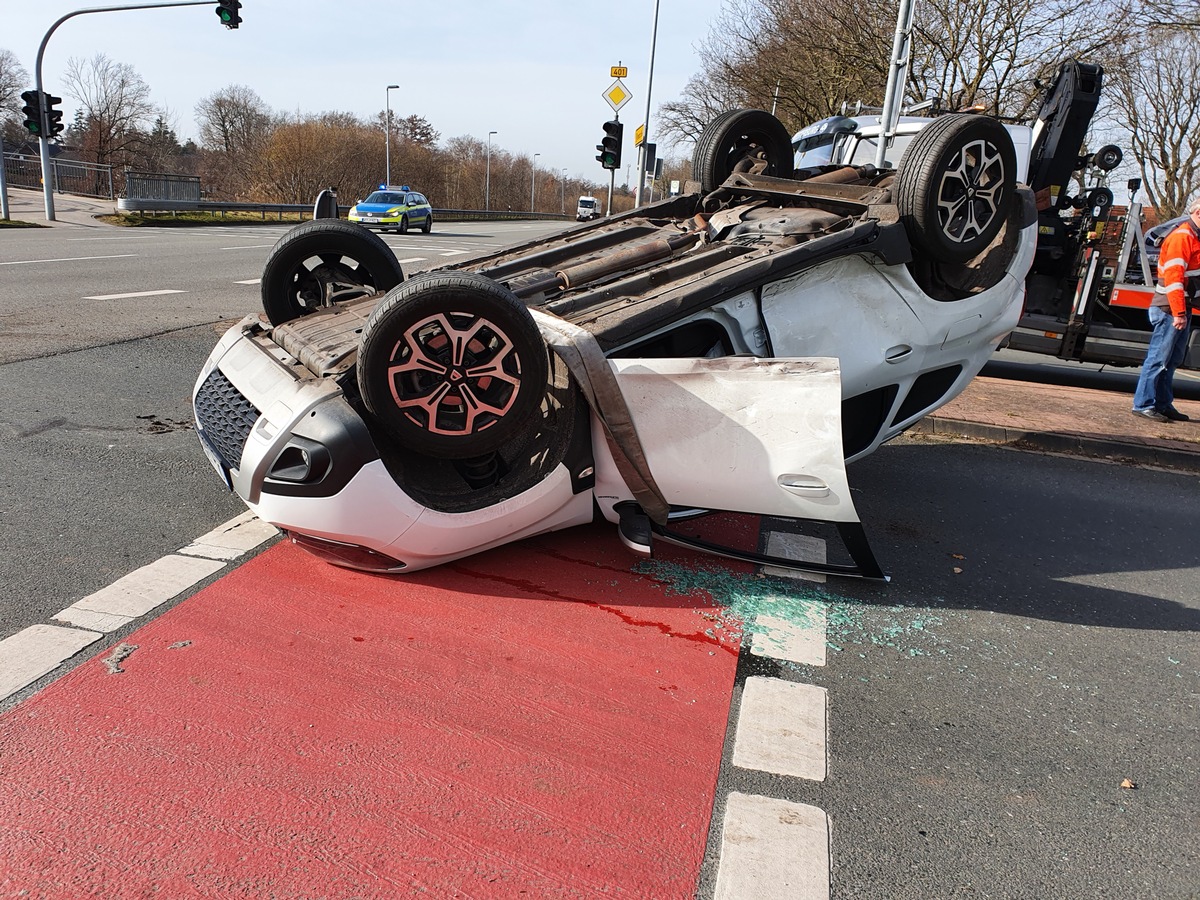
(534, 72)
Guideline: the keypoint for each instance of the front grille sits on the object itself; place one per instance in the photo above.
(225, 417)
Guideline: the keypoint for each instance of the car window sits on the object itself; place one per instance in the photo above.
(864, 151)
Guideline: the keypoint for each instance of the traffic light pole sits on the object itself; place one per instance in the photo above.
(3, 184)
(44, 140)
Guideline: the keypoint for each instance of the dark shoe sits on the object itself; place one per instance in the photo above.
(1175, 415)
(1151, 414)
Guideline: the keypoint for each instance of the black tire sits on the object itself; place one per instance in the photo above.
(403, 229)
(1100, 198)
(1108, 157)
(954, 186)
(323, 262)
(428, 226)
(737, 136)
(435, 404)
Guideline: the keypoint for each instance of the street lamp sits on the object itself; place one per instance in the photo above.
(487, 182)
(387, 140)
(533, 182)
(562, 183)
(637, 197)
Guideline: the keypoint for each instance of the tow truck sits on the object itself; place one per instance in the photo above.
(1090, 285)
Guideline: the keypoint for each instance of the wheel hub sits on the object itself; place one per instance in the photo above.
(454, 374)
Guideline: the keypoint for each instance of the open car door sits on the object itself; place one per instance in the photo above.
(745, 434)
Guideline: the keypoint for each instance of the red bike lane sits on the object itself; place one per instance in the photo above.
(537, 721)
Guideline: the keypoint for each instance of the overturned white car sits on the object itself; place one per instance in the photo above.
(728, 349)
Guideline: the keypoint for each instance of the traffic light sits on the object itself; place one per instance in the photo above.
(53, 116)
(33, 113)
(227, 12)
(610, 145)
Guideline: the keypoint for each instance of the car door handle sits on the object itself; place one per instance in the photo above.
(897, 353)
(804, 485)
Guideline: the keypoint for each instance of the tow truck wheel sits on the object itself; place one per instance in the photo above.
(1108, 157)
(452, 365)
(737, 139)
(323, 262)
(955, 185)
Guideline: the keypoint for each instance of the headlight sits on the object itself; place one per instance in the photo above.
(353, 211)
(395, 211)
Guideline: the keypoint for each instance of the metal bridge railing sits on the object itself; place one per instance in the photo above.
(70, 176)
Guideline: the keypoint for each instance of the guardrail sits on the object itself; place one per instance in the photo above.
(131, 205)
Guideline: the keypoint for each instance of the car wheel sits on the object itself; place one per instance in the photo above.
(954, 186)
(323, 262)
(428, 226)
(737, 137)
(452, 365)
(403, 229)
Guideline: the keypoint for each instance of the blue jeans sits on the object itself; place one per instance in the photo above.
(1163, 357)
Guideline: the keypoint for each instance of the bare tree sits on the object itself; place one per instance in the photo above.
(802, 57)
(995, 55)
(234, 120)
(308, 154)
(116, 108)
(13, 80)
(1182, 15)
(1158, 95)
(818, 54)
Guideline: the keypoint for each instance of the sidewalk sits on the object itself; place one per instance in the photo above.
(1076, 420)
(69, 211)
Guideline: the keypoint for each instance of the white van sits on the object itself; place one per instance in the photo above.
(589, 208)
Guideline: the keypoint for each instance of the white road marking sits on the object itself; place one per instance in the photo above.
(250, 281)
(249, 247)
(134, 294)
(799, 547)
(29, 262)
(454, 252)
(144, 589)
(411, 259)
(28, 655)
(781, 728)
(798, 642)
(231, 540)
(800, 638)
(773, 849)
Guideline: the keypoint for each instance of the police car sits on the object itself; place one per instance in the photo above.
(399, 208)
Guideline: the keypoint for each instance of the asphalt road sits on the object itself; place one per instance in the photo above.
(1037, 646)
(981, 721)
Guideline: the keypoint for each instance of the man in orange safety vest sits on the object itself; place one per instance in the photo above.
(1170, 320)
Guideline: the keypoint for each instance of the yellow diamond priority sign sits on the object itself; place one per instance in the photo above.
(617, 96)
